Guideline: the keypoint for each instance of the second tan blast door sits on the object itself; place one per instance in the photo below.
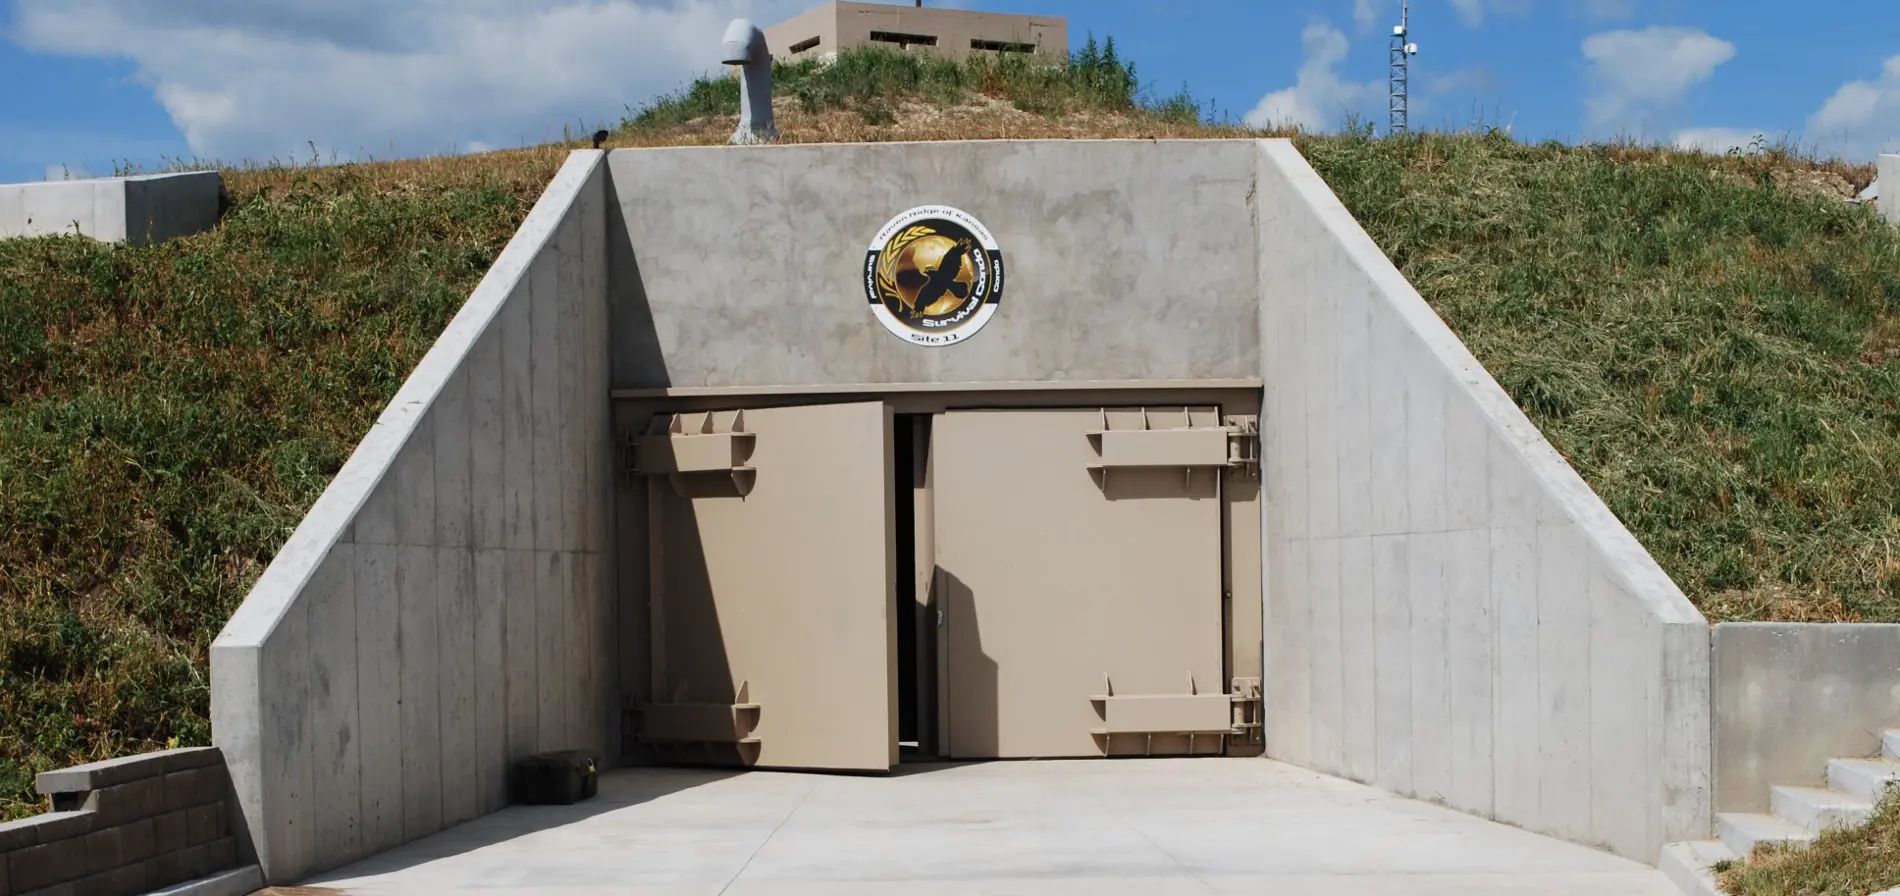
(1078, 558)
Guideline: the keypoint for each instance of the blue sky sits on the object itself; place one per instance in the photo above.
(94, 82)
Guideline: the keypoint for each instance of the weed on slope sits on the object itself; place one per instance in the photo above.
(167, 414)
(1717, 354)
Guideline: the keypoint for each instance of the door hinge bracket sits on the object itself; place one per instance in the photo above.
(1245, 697)
(1243, 446)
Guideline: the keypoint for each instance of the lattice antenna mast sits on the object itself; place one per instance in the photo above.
(1399, 71)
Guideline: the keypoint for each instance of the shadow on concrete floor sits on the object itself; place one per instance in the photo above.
(619, 789)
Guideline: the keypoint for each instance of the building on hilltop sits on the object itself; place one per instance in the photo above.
(825, 29)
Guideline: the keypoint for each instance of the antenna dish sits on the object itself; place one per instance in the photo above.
(1412, 49)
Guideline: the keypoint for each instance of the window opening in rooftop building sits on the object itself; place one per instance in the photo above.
(904, 41)
(1001, 46)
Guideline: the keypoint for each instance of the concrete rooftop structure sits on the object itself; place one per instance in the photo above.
(827, 28)
(138, 210)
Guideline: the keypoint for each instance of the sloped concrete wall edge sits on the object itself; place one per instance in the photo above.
(1889, 180)
(1452, 614)
(379, 679)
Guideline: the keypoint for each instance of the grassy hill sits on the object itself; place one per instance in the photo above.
(1713, 341)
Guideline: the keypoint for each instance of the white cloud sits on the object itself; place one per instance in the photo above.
(1364, 15)
(1473, 12)
(269, 78)
(1470, 79)
(66, 172)
(1639, 78)
(1716, 140)
(1862, 118)
(1319, 98)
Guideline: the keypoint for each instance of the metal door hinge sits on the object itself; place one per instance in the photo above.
(1243, 446)
(1246, 702)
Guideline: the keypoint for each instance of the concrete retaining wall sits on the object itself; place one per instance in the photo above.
(1889, 201)
(442, 610)
(1791, 696)
(1452, 614)
(123, 827)
(1125, 260)
(139, 210)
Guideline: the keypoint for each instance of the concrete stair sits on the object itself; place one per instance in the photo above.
(1864, 778)
(1796, 815)
(1690, 864)
(1815, 809)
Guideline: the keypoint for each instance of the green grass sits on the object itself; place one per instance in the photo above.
(167, 414)
(871, 79)
(1716, 355)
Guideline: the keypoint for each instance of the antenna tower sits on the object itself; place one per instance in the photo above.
(1398, 66)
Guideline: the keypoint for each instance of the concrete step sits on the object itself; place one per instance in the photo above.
(1863, 778)
(1741, 832)
(1687, 864)
(1815, 809)
(235, 882)
(1890, 744)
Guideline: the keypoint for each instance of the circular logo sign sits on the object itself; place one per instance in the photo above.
(934, 275)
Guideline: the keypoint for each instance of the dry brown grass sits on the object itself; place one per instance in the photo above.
(1841, 862)
(982, 118)
(526, 171)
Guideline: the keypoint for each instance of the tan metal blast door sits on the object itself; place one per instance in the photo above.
(774, 638)
(1079, 569)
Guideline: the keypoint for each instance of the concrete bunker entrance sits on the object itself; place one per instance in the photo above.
(847, 581)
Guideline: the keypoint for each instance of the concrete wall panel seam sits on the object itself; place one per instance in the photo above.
(375, 643)
(339, 503)
(1626, 557)
(1527, 657)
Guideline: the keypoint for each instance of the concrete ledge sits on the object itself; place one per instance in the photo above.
(1788, 697)
(1889, 201)
(123, 826)
(140, 210)
(1452, 613)
(124, 770)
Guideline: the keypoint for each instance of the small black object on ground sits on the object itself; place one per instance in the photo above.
(557, 778)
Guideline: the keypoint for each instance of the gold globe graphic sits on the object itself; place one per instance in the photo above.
(935, 272)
